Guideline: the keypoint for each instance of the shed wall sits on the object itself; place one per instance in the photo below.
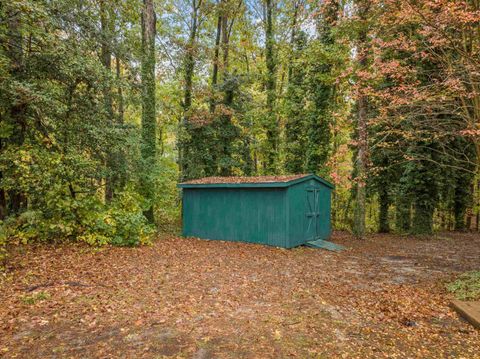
(256, 215)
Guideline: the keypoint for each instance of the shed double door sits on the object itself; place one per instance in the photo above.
(316, 221)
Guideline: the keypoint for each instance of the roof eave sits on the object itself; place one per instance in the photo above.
(234, 185)
(256, 185)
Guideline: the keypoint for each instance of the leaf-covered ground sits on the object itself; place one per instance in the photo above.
(383, 297)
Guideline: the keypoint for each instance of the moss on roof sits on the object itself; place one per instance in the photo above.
(257, 179)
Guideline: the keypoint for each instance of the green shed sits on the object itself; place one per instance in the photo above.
(281, 211)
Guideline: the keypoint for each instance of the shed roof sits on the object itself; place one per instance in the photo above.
(258, 181)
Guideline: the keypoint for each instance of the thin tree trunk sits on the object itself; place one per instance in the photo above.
(225, 45)
(384, 201)
(225, 129)
(190, 61)
(292, 38)
(121, 105)
(120, 155)
(216, 56)
(15, 200)
(272, 126)
(149, 125)
(362, 110)
(224, 120)
(106, 23)
(187, 93)
(403, 213)
(3, 198)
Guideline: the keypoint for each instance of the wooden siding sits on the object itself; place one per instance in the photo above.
(249, 215)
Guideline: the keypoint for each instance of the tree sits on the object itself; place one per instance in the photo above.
(310, 97)
(362, 105)
(107, 28)
(427, 65)
(273, 133)
(53, 151)
(226, 131)
(186, 129)
(15, 122)
(322, 87)
(297, 126)
(149, 120)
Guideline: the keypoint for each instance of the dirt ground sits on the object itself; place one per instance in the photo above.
(190, 298)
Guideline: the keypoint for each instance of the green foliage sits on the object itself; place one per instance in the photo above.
(309, 105)
(70, 147)
(122, 223)
(63, 203)
(167, 199)
(35, 298)
(467, 286)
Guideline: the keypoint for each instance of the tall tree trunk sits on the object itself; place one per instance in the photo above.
(292, 38)
(190, 61)
(273, 132)
(360, 205)
(216, 56)
(106, 23)
(402, 212)
(15, 200)
(120, 159)
(322, 94)
(3, 198)
(189, 67)
(149, 124)
(384, 201)
(225, 129)
(422, 222)
(362, 111)
(225, 45)
(120, 100)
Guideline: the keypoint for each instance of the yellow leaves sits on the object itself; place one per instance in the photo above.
(277, 334)
(109, 220)
(94, 239)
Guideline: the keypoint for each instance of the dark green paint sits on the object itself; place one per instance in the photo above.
(281, 214)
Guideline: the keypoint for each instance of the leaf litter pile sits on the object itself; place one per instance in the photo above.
(190, 298)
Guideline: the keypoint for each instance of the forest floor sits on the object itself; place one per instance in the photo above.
(189, 298)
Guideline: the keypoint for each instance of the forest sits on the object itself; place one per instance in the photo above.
(107, 108)
(106, 105)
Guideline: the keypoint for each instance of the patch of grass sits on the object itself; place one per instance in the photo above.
(466, 287)
(35, 298)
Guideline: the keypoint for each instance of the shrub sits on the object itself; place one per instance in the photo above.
(167, 200)
(65, 202)
(123, 223)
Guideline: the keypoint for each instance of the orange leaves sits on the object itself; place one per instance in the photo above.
(383, 297)
(470, 132)
(427, 54)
